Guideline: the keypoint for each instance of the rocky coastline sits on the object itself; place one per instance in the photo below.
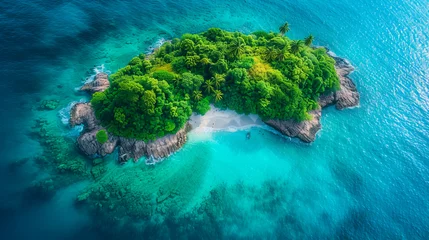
(82, 113)
(346, 97)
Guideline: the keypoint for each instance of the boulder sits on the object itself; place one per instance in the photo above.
(156, 149)
(88, 143)
(82, 113)
(305, 130)
(100, 83)
(347, 96)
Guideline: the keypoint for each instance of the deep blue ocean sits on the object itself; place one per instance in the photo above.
(365, 177)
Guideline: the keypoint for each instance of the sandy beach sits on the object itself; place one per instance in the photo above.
(223, 120)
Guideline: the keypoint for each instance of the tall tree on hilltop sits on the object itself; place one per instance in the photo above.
(284, 28)
(309, 40)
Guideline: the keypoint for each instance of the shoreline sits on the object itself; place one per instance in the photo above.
(223, 120)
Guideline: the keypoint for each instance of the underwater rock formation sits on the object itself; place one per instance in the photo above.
(347, 96)
(82, 113)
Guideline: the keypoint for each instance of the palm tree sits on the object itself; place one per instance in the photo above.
(197, 95)
(309, 40)
(284, 28)
(175, 81)
(271, 54)
(236, 48)
(218, 80)
(218, 95)
(282, 54)
(295, 47)
(209, 86)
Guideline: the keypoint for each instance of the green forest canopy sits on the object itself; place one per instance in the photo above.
(263, 73)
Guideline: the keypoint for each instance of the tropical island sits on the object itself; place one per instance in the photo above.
(145, 107)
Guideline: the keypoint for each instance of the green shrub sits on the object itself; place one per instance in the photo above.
(101, 136)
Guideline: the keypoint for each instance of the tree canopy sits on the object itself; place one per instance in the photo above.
(263, 73)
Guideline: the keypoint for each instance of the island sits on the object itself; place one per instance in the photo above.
(144, 108)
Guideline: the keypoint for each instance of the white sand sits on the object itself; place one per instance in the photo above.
(220, 120)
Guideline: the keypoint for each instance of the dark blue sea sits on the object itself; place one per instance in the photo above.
(365, 177)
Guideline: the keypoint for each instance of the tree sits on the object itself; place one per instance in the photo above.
(187, 45)
(281, 54)
(295, 47)
(101, 136)
(218, 95)
(284, 28)
(197, 95)
(308, 40)
(236, 48)
(218, 80)
(209, 86)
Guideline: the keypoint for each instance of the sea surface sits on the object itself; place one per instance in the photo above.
(365, 177)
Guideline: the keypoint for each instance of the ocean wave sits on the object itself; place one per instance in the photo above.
(156, 45)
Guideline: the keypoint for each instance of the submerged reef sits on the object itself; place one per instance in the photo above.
(59, 158)
(142, 192)
(269, 210)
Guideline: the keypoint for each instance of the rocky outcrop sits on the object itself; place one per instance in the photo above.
(100, 83)
(305, 130)
(156, 149)
(347, 96)
(82, 113)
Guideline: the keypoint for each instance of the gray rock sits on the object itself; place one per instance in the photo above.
(88, 144)
(305, 130)
(157, 149)
(100, 83)
(82, 113)
(347, 96)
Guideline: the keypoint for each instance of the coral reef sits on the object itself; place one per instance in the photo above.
(48, 105)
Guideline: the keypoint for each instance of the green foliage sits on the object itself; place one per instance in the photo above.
(309, 40)
(102, 136)
(263, 73)
(203, 106)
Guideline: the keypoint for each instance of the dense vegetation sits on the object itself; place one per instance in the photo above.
(263, 73)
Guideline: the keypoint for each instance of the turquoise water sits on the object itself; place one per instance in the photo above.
(365, 176)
